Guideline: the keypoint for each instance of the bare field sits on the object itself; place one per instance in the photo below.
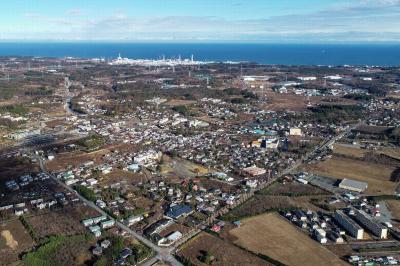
(348, 150)
(260, 204)
(377, 175)
(293, 189)
(76, 158)
(391, 152)
(292, 102)
(226, 253)
(55, 223)
(281, 102)
(176, 102)
(13, 240)
(394, 207)
(11, 168)
(66, 221)
(118, 175)
(271, 235)
(181, 168)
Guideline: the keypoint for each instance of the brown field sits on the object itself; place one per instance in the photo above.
(226, 253)
(394, 207)
(174, 167)
(13, 240)
(292, 102)
(55, 122)
(211, 183)
(293, 189)
(347, 150)
(280, 102)
(11, 168)
(341, 250)
(118, 175)
(56, 223)
(377, 175)
(260, 204)
(271, 235)
(176, 102)
(76, 158)
(391, 152)
(63, 222)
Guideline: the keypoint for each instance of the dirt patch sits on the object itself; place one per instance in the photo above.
(175, 167)
(275, 237)
(9, 238)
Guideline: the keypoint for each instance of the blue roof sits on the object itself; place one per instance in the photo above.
(179, 210)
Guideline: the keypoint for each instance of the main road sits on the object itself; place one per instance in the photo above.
(164, 254)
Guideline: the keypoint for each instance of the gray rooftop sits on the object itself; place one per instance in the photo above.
(354, 184)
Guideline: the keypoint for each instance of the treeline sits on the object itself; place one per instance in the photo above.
(39, 92)
(31, 231)
(17, 109)
(92, 142)
(336, 113)
(86, 192)
(140, 252)
(7, 123)
(358, 97)
(76, 107)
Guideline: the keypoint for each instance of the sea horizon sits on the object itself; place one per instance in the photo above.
(356, 54)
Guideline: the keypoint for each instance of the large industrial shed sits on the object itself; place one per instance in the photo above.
(353, 185)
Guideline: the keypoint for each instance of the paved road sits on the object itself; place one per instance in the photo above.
(164, 254)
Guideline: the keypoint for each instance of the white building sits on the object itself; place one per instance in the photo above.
(376, 228)
(349, 225)
(295, 132)
(147, 158)
(353, 185)
(307, 78)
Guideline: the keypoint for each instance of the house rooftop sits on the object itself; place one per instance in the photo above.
(178, 211)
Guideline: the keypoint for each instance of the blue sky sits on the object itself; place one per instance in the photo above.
(301, 21)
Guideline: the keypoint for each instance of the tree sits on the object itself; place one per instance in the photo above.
(206, 257)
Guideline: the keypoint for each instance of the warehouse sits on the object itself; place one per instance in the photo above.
(367, 221)
(353, 185)
(349, 225)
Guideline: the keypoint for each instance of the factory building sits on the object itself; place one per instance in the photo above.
(353, 185)
(366, 220)
(349, 225)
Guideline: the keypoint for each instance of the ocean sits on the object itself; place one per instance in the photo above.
(277, 54)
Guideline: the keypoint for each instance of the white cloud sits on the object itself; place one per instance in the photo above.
(364, 20)
(75, 12)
